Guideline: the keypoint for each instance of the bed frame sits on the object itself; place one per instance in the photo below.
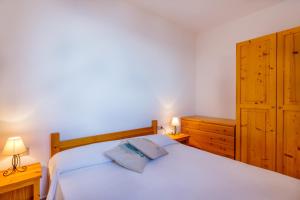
(57, 145)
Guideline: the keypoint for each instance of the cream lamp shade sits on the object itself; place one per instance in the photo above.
(14, 146)
(175, 121)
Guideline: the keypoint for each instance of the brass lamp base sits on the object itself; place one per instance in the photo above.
(16, 162)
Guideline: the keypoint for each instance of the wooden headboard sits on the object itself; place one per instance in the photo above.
(57, 145)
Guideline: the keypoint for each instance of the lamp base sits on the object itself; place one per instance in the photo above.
(175, 130)
(16, 162)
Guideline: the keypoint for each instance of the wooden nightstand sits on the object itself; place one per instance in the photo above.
(180, 137)
(21, 185)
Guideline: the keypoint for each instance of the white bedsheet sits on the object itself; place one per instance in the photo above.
(185, 173)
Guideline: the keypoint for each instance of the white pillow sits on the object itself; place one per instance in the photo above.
(127, 156)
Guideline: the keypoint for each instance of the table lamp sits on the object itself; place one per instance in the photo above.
(175, 122)
(14, 146)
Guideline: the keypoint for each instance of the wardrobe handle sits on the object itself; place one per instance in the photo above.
(295, 52)
(288, 155)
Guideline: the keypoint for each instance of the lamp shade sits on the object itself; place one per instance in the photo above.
(175, 121)
(14, 146)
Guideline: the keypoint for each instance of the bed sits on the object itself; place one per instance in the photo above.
(79, 170)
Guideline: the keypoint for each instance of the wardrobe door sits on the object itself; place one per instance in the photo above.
(288, 107)
(256, 102)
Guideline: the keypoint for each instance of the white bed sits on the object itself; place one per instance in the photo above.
(185, 173)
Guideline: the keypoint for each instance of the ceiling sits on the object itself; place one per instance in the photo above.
(199, 15)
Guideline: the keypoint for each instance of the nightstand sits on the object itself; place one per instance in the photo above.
(180, 137)
(22, 185)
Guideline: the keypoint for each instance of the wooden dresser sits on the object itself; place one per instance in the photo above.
(214, 135)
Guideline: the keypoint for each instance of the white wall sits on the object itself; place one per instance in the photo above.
(216, 69)
(86, 67)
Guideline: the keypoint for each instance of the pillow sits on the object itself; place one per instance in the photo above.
(147, 147)
(129, 157)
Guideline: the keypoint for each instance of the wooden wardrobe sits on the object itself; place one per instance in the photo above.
(268, 102)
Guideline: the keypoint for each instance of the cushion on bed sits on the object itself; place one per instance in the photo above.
(148, 148)
(128, 156)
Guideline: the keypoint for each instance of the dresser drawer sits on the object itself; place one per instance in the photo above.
(221, 129)
(213, 142)
(210, 136)
(220, 149)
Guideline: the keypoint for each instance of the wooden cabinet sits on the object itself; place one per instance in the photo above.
(214, 135)
(288, 99)
(21, 185)
(256, 102)
(268, 102)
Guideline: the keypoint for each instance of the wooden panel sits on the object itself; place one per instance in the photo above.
(57, 145)
(288, 108)
(257, 71)
(25, 193)
(291, 63)
(256, 96)
(258, 137)
(291, 143)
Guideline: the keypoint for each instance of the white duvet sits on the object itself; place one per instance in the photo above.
(185, 173)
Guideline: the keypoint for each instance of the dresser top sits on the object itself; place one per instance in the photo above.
(211, 120)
